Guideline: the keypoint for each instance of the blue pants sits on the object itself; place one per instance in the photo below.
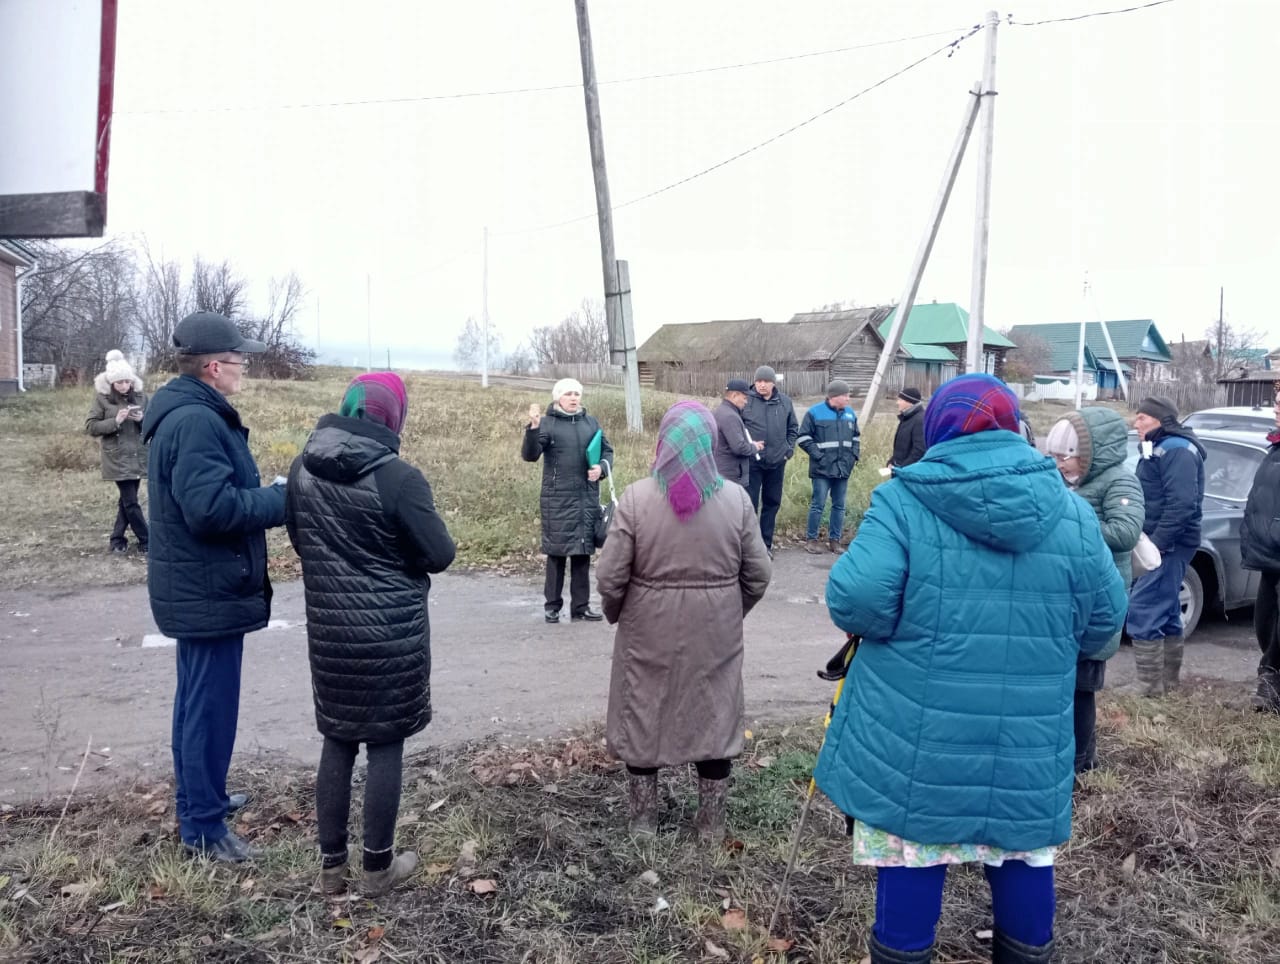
(821, 487)
(909, 903)
(1154, 611)
(206, 709)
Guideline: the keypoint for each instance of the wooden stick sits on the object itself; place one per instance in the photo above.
(83, 760)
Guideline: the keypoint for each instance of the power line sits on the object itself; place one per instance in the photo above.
(1088, 16)
(948, 48)
(511, 91)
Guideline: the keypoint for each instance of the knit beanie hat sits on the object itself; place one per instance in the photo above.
(837, 387)
(119, 370)
(911, 395)
(1159, 408)
(1069, 437)
(377, 397)
(766, 374)
(563, 386)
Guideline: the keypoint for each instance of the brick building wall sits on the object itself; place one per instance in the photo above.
(8, 329)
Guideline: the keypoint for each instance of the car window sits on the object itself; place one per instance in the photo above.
(1220, 420)
(1229, 469)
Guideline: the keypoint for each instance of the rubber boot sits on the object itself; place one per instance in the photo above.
(1267, 698)
(834, 546)
(1005, 950)
(888, 955)
(1148, 660)
(1172, 662)
(713, 801)
(642, 803)
(378, 882)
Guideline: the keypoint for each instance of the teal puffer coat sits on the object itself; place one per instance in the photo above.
(1111, 488)
(976, 580)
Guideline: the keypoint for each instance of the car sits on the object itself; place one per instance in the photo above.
(1215, 579)
(1236, 417)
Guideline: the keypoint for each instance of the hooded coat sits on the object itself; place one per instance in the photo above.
(678, 592)
(976, 580)
(365, 526)
(209, 513)
(124, 453)
(570, 504)
(1111, 489)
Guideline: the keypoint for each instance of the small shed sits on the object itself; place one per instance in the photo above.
(839, 344)
(698, 344)
(1251, 388)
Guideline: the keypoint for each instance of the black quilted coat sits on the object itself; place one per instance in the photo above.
(366, 529)
(570, 504)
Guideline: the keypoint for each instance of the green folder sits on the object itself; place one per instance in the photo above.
(595, 447)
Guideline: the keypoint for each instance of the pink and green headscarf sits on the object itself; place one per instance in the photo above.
(685, 464)
(377, 397)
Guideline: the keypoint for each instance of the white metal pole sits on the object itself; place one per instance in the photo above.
(974, 356)
(368, 319)
(1084, 323)
(484, 337)
(922, 258)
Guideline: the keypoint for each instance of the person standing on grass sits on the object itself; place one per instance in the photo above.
(770, 418)
(976, 580)
(365, 526)
(1171, 471)
(908, 440)
(829, 434)
(684, 563)
(733, 449)
(1089, 447)
(570, 500)
(1260, 550)
(116, 419)
(208, 579)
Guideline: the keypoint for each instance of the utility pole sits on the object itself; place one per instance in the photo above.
(1222, 336)
(622, 346)
(317, 324)
(974, 355)
(484, 316)
(368, 320)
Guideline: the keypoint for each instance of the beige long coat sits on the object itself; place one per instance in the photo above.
(678, 592)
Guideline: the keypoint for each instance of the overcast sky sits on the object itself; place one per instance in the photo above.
(1132, 147)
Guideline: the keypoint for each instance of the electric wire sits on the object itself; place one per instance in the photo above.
(1088, 16)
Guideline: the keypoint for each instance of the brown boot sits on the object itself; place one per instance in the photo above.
(713, 801)
(834, 546)
(378, 882)
(813, 546)
(333, 880)
(642, 803)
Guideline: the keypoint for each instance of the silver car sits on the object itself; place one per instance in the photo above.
(1214, 579)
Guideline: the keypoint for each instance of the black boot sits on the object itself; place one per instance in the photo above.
(1005, 950)
(888, 955)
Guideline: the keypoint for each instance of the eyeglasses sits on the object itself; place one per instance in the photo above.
(244, 363)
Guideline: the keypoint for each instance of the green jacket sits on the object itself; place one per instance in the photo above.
(1111, 488)
(124, 453)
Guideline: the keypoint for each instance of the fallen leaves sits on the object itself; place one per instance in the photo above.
(543, 764)
(734, 919)
(483, 887)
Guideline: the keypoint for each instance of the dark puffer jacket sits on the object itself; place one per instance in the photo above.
(908, 440)
(365, 526)
(1173, 485)
(207, 576)
(570, 504)
(771, 420)
(1260, 530)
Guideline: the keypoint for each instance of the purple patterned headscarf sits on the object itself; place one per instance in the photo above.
(969, 404)
(684, 464)
(377, 397)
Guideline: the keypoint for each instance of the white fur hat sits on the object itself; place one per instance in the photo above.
(565, 385)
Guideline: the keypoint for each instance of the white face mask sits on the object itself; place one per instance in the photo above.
(1072, 480)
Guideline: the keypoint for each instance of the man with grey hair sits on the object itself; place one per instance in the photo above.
(770, 418)
(208, 575)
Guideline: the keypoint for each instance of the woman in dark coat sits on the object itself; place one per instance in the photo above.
(1260, 550)
(365, 526)
(116, 419)
(570, 501)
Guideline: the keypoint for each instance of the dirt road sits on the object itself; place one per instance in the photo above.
(84, 666)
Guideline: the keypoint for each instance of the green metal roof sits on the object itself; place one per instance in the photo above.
(928, 352)
(1129, 337)
(942, 324)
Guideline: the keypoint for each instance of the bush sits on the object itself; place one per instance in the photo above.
(70, 455)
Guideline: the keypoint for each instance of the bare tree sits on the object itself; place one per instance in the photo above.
(582, 338)
(217, 287)
(1231, 348)
(469, 351)
(1032, 357)
(163, 301)
(285, 356)
(521, 361)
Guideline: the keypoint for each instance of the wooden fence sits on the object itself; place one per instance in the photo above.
(1186, 395)
(708, 383)
(587, 373)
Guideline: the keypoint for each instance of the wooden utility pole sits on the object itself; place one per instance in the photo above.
(622, 340)
(484, 316)
(368, 320)
(974, 354)
(908, 298)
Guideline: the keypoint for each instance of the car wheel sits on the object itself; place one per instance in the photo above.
(1191, 601)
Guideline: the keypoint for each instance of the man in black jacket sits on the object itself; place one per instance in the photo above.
(207, 577)
(908, 440)
(1260, 550)
(770, 418)
(734, 451)
(1171, 472)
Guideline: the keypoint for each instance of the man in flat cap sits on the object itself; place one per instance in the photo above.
(1171, 471)
(734, 449)
(208, 574)
(829, 434)
(770, 418)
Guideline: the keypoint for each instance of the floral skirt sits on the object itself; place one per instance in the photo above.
(878, 848)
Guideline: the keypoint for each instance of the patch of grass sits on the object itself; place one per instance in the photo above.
(1173, 859)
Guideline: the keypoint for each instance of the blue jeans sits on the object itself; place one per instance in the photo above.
(1154, 610)
(837, 489)
(206, 709)
(909, 903)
